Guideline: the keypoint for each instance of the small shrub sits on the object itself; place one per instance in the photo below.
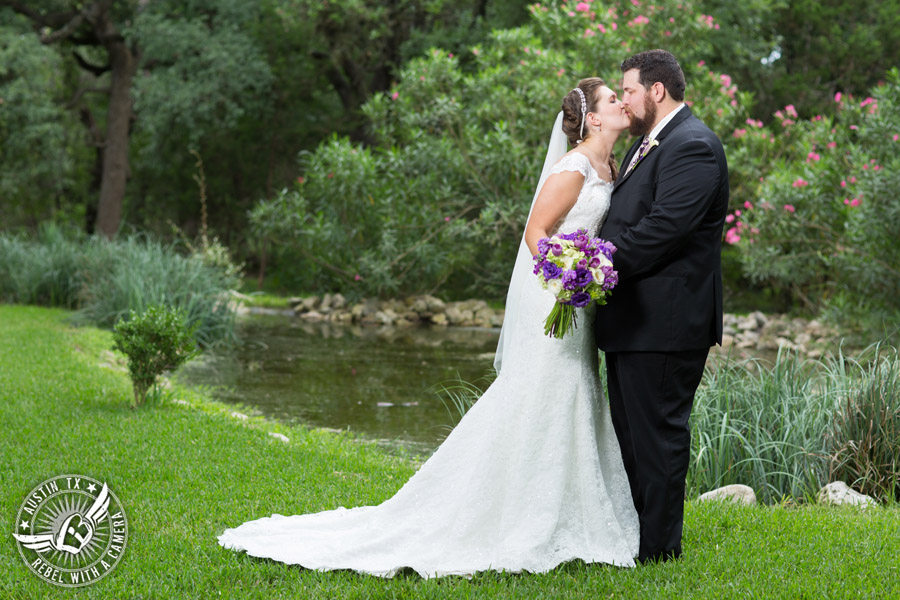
(155, 341)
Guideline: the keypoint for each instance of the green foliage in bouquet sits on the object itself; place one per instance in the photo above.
(155, 341)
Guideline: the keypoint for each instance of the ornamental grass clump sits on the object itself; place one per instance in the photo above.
(864, 442)
(155, 341)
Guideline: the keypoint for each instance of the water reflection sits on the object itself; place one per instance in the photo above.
(376, 381)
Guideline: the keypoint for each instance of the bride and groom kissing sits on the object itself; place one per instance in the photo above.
(545, 467)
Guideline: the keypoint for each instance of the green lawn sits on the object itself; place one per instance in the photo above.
(183, 473)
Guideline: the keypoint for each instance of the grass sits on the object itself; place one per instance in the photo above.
(186, 472)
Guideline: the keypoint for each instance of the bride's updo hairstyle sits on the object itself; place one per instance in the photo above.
(575, 107)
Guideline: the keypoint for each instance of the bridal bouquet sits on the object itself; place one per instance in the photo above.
(577, 270)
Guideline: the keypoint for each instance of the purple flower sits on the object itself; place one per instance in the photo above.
(595, 262)
(556, 249)
(551, 271)
(611, 278)
(580, 299)
(582, 264)
(608, 249)
(582, 278)
(568, 279)
(543, 246)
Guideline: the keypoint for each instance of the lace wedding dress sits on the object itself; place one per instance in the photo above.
(530, 478)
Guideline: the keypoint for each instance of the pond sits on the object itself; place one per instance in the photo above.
(379, 382)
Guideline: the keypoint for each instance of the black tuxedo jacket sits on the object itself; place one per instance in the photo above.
(666, 218)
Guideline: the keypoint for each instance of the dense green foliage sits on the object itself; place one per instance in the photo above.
(154, 341)
(442, 197)
(105, 280)
(823, 226)
(418, 148)
(185, 473)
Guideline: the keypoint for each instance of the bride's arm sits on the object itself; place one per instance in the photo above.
(557, 197)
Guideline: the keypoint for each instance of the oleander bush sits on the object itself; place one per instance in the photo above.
(823, 227)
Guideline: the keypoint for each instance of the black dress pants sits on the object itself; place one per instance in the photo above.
(650, 398)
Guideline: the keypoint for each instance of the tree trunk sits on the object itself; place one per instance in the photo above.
(115, 150)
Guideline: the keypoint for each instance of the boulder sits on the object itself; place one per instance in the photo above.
(839, 493)
(440, 319)
(742, 494)
(338, 301)
(435, 305)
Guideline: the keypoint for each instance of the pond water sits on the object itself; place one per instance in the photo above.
(379, 382)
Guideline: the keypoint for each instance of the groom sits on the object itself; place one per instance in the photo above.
(666, 217)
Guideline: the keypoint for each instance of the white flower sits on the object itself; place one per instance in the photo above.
(599, 277)
(555, 286)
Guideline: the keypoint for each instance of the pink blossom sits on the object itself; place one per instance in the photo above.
(446, 218)
(356, 277)
(615, 26)
(865, 167)
(737, 213)
(876, 168)
(733, 103)
(300, 180)
(790, 110)
(450, 55)
(560, 72)
(846, 200)
(748, 205)
(729, 218)
(740, 133)
(526, 49)
(671, 19)
(754, 230)
(843, 184)
(726, 80)
(476, 51)
(837, 97)
(832, 144)
(421, 78)
(813, 157)
(854, 127)
(896, 137)
(853, 179)
(582, 7)
(395, 95)
(731, 236)
(854, 202)
(667, 33)
(588, 32)
(800, 182)
(717, 25)
(571, 14)
(701, 63)
(601, 28)
(789, 207)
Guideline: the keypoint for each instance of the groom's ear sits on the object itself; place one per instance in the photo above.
(658, 91)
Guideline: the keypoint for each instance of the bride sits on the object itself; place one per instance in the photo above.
(532, 476)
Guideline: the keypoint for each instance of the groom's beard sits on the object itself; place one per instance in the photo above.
(641, 126)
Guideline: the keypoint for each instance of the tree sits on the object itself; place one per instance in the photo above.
(78, 25)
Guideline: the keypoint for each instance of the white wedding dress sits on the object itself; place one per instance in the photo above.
(531, 477)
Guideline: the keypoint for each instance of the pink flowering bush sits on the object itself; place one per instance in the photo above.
(457, 146)
(824, 226)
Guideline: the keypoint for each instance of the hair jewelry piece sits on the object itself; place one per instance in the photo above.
(583, 113)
